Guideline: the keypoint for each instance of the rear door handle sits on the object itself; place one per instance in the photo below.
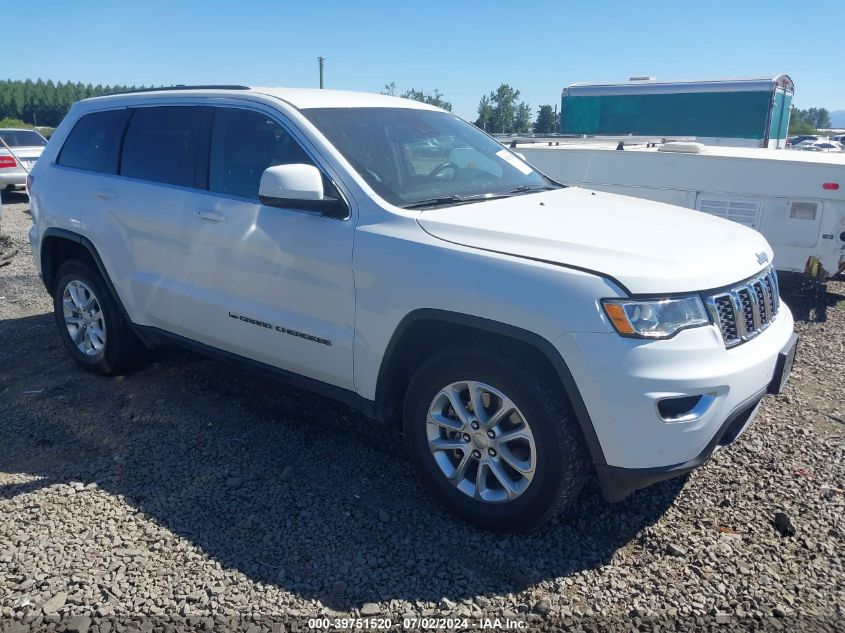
(210, 216)
(104, 194)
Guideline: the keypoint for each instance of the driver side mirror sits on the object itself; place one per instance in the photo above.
(298, 186)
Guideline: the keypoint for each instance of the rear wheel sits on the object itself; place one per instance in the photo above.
(498, 447)
(90, 324)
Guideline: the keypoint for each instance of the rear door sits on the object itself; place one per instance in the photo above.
(83, 188)
(151, 211)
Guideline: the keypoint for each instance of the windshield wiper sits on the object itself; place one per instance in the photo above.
(430, 202)
(455, 199)
(531, 188)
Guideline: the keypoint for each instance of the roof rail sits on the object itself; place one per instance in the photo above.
(181, 87)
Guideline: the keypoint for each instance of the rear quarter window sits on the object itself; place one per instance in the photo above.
(94, 142)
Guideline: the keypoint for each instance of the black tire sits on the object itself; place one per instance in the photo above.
(122, 349)
(562, 462)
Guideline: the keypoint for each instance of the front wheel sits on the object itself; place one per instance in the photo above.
(497, 446)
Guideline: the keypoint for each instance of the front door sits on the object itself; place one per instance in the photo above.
(274, 285)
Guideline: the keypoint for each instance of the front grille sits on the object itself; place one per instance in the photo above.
(725, 317)
(770, 283)
(759, 297)
(747, 309)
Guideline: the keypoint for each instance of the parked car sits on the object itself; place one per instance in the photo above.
(523, 333)
(819, 146)
(796, 140)
(26, 146)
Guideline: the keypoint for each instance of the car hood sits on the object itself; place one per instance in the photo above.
(649, 247)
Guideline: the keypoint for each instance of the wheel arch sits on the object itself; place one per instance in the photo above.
(426, 330)
(59, 245)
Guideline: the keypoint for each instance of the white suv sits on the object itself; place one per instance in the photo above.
(393, 256)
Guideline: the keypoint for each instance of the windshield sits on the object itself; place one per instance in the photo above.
(22, 138)
(424, 158)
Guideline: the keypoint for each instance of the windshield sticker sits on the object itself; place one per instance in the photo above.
(513, 161)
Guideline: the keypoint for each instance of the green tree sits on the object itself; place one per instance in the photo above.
(485, 112)
(10, 122)
(522, 118)
(809, 120)
(797, 124)
(504, 108)
(822, 118)
(825, 119)
(545, 123)
(501, 111)
(435, 98)
(389, 89)
(45, 103)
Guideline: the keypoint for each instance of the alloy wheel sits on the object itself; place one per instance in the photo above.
(84, 318)
(481, 441)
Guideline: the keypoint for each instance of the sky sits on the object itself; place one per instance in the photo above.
(465, 48)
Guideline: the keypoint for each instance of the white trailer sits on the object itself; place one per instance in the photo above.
(795, 199)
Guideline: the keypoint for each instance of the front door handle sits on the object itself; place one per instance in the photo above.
(210, 216)
(104, 194)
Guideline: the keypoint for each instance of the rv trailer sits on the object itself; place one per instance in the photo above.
(733, 112)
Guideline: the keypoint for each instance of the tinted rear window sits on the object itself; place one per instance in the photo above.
(94, 142)
(161, 144)
(23, 138)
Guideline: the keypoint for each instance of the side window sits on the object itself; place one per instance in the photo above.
(243, 144)
(94, 141)
(164, 144)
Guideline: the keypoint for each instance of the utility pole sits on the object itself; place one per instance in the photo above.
(322, 61)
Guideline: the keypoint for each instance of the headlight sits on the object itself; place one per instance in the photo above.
(655, 318)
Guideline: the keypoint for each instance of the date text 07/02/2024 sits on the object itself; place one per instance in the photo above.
(443, 624)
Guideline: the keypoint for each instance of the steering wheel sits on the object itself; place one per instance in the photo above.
(441, 167)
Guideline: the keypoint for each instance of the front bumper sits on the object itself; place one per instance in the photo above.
(622, 380)
(617, 483)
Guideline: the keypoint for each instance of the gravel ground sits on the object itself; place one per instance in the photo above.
(194, 494)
